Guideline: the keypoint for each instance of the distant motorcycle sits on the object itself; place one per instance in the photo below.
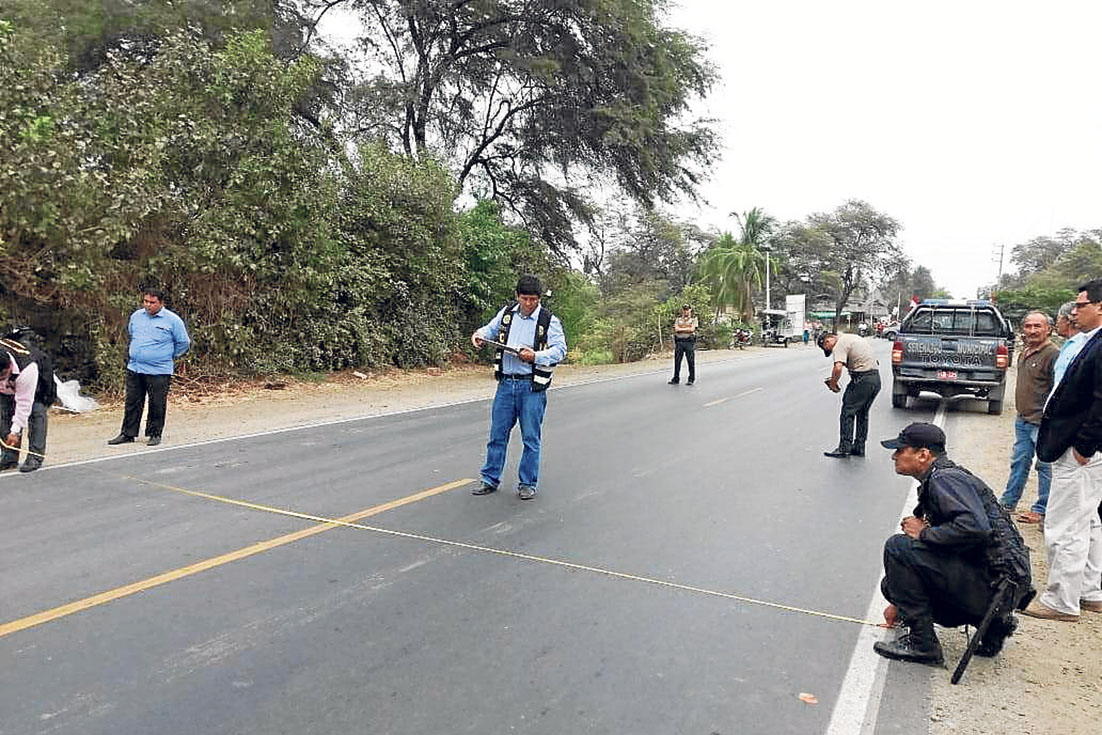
(742, 338)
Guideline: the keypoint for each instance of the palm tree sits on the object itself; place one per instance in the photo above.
(733, 267)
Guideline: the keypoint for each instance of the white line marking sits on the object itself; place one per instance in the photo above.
(858, 702)
(718, 401)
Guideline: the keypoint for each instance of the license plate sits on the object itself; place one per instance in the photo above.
(947, 374)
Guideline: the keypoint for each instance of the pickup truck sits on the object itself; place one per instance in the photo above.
(952, 348)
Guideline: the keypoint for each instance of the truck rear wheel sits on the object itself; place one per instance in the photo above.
(899, 394)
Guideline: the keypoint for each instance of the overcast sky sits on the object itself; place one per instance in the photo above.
(973, 123)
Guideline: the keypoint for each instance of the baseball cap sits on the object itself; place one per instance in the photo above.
(919, 435)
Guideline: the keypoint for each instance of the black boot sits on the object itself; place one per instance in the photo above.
(857, 450)
(841, 450)
(920, 645)
(996, 635)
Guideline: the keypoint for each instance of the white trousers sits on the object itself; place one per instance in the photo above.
(1073, 534)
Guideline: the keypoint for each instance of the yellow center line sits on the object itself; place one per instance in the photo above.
(349, 521)
(728, 398)
(324, 524)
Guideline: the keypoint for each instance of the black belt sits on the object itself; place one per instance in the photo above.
(859, 373)
(521, 376)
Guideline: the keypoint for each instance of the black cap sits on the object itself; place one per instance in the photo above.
(821, 339)
(919, 435)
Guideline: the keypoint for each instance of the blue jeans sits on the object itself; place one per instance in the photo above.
(515, 401)
(1025, 446)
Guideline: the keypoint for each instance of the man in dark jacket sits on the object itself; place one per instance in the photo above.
(1071, 438)
(954, 552)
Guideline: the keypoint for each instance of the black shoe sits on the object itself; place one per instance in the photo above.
(30, 464)
(920, 645)
(484, 489)
(120, 439)
(6, 465)
(839, 452)
(996, 635)
(673, 381)
(526, 492)
(690, 381)
(857, 451)
(153, 441)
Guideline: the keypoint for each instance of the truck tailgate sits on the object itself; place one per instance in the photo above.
(948, 357)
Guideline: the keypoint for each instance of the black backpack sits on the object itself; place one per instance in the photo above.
(24, 354)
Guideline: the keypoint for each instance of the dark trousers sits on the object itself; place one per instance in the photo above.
(856, 402)
(138, 386)
(686, 347)
(924, 583)
(36, 428)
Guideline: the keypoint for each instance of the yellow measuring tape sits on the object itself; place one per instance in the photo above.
(17, 450)
(498, 552)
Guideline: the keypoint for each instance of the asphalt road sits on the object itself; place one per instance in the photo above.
(721, 487)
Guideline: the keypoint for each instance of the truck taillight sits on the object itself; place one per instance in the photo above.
(1002, 357)
(897, 352)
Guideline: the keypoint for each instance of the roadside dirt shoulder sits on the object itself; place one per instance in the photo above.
(1048, 679)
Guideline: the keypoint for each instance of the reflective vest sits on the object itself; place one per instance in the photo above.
(46, 391)
(541, 376)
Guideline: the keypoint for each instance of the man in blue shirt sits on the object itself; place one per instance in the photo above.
(533, 344)
(157, 338)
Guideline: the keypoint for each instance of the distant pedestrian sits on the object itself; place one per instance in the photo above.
(535, 344)
(854, 354)
(1071, 438)
(684, 341)
(27, 390)
(807, 333)
(158, 338)
(1034, 383)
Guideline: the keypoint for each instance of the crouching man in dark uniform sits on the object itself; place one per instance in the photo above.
(947, 565)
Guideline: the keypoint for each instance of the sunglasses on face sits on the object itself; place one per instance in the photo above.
(1081, 304)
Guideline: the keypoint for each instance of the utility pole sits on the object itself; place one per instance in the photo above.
(997, 253)
(766, 249)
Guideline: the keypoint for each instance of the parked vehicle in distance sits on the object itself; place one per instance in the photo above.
(952, 348)
(889, 331)
(776, 328)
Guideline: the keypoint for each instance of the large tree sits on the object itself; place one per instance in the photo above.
(652, 249)
(531, 102)
(850, 247)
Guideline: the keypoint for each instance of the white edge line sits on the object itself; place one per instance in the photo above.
(335, 422)
(858, 703)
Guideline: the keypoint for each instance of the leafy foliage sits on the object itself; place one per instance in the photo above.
(522, 97)
(843, 250)
(191, 170)
(1050, 271)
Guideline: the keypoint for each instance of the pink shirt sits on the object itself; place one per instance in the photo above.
(22, 385)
